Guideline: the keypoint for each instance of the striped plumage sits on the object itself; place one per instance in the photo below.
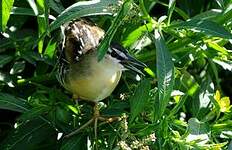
(79, 70)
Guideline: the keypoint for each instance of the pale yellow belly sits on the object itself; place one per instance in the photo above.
(95, 84)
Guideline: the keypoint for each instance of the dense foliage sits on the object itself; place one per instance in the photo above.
(181, 103)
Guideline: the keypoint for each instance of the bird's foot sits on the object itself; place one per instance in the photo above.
(94, 119)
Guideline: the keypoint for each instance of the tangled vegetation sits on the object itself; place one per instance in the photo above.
(184, 101)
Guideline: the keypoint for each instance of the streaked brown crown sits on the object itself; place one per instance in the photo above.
(80, 36)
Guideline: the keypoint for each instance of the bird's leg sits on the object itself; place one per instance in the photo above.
(94, 119)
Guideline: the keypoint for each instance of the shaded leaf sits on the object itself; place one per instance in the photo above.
(10, 102)
(5, 59)
(18, 67)
(139, 99)
(30, 135)
(22, 11)
(56, 6)
(34, 113)
(74, 143)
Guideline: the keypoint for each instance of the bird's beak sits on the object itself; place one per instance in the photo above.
(133, 64)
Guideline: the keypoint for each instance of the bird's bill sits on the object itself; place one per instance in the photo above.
(133, 64)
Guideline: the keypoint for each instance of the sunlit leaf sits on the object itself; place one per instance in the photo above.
(84, 8)
(5, 9)
(205, 26)
(105, 43)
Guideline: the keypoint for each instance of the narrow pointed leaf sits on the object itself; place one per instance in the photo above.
(165, 72)
(103, 47)
(10, 102)
(205, 26)
(139, 99)
(84, 8)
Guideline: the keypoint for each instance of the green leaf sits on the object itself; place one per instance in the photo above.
(5, 59)
(136, 34)
(205, 26)
(34, 113)
(84, 8)
(200, 105)
(105, 43)
(33, 6)
(50, 49)
(30, 135)
(56, 6)
(42, 20)
(225, 64)
(139, 99)
(18, 67)
(197, 127)
(10, 102)
(74, 143)
(22, 11)
(5, 9)
(165, 72)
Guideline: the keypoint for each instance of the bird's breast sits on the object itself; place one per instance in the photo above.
(93, 80)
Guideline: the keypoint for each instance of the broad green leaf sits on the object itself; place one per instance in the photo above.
(84, 8)
(10, 102)
(74, 143)
(56, 6)
(30, 135)
(50, 49)
(196, 127)
(208, 15)
(105, 43)
(5, 9)
(200, 105)
(22, 11)
(4, 59)
(165, 72)
(198, 131)
(136, 34)
(139, 99)
(207, 27)
(34, 113)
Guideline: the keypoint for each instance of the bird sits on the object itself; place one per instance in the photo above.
(79, 70)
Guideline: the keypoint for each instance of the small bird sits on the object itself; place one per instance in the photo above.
(79, 70)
